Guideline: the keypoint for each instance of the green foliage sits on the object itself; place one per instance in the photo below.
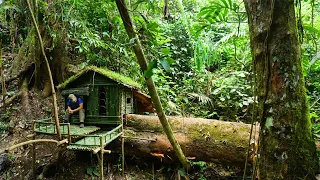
(219, 11)
(202, 167)
(3, 126)
(93, 171)
(199, 56)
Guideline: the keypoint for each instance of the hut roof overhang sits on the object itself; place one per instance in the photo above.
(125, 81)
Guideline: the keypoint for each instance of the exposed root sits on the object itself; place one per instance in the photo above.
(12, 98)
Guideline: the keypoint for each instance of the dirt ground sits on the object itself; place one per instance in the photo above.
(82, 165)
(78, 165)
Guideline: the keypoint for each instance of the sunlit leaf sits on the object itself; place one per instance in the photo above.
(165, 51)
(149, 72)
(165, 65)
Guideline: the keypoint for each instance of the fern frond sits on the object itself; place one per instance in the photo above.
(201, 98)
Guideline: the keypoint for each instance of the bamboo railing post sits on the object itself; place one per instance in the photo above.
(101, 158)
(69, 134)
(122, 149)
(34, 151)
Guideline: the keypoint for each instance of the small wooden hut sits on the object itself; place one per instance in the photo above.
(107, 96)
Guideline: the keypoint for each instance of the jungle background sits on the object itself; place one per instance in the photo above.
(199, 55)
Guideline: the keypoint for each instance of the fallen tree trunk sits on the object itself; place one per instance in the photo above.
(200, 139)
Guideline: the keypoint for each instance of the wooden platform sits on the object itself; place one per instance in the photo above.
(75, 130)
(92, 141)
(87, 138)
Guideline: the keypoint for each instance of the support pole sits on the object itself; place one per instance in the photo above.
(34, 151)
(101, 158)
(122, 148)
(69, 135)
(122, 155)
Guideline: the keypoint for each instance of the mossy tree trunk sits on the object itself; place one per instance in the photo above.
(29, 66)
(200, 139)
(54, 96)
(287, 149)
(30, 63)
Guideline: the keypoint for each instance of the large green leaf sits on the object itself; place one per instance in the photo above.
(311, 29)
(166, 64)
(149, 72)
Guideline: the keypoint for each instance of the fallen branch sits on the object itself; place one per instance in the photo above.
(33, 141)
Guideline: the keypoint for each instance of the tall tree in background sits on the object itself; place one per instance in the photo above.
(287, 149)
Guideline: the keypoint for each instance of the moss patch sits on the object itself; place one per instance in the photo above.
(105, 72)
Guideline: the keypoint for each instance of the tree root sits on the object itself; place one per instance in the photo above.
(12, 98)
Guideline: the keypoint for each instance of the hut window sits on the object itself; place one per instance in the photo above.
(102, 101)
(128, 100)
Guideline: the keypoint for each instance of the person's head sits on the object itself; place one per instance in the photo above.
(72, 98)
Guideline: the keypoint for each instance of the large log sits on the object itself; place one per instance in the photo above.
(200, 139)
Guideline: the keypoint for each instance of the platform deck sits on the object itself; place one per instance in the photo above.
(75, 130)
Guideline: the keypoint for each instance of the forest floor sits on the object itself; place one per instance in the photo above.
(81, 165)
(17, 122)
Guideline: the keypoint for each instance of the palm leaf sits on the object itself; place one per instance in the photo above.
(201, 98)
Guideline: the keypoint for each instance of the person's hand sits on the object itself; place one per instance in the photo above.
(71, 112)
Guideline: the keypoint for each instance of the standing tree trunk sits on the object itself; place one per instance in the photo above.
(166, 13)
(287, 149)
(127, 22)
(54, 95)
(3, 81)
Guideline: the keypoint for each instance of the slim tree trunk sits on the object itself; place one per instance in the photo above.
(149, 81)
(287, 149)
(166, 13)
(54, 96)
(3, 81)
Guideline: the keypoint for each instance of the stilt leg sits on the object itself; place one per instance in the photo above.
(122, 155)
(101, 158)
(33, 152)
(34, 160)
(122, 149)
(152, 170)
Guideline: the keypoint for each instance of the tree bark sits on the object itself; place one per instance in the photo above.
(166, 13)
(287, 149)
(200, 139)
(3, 81)
(124, 13)
(54, 95)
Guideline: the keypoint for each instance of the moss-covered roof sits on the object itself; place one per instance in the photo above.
(105, 72)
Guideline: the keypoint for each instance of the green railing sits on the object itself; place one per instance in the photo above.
(49, 127)
(94, 139)
(86, 142)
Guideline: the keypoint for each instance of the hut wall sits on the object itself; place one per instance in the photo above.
(127, 101)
